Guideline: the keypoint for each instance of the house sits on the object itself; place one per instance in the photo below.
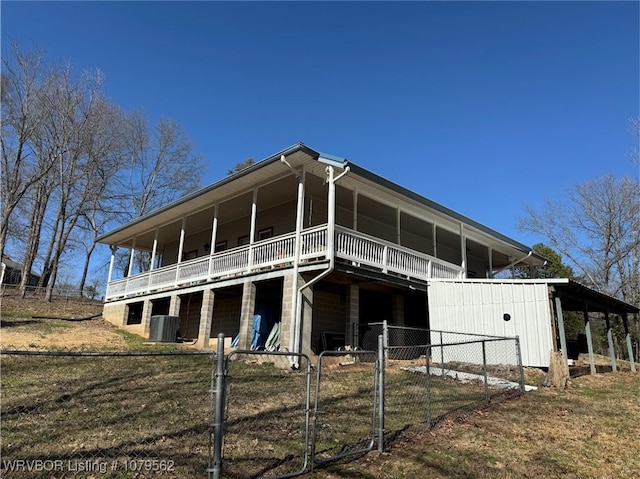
(309, 241)
(13, 273)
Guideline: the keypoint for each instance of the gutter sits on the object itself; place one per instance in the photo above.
(513, 263)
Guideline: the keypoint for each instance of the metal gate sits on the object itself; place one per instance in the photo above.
(346, 410)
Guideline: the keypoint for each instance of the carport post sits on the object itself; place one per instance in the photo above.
(629, 347)
(587, 330)
(612, 353)
(563, 339)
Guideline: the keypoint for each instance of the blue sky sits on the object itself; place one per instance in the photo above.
(484, 107)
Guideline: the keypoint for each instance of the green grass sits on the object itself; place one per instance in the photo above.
(103, 409)
(135, 342)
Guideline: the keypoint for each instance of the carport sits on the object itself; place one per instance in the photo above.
(569, 295)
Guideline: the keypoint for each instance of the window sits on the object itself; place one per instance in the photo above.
(220, 246)
(265, 233)
(189, 255)
(243, 240)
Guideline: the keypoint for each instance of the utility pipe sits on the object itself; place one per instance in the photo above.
(331, 227)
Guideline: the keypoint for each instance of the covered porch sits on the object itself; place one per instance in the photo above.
(280, 252)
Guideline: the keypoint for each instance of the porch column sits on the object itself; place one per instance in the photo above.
(246, 314)
(214, 229)
(587, 330)
(131, 254)
(435, 241)
(398, 227)
(399, 337)
(206, 318)
(490, 251)
(114, 250)
(147, 308)
(354, 315)
(174, 305)
(612, 353)
(291, 281)
(560, 319)
(154, 250)
(629, 347)
(289, 289)
(306, 318)
(183, 227)
(252, 232)
(463, 250)
(355, 210)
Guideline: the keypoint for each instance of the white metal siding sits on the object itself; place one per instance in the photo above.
(478, 307)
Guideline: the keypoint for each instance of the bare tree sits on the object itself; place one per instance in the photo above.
(21, 119)
(241, 166)
(594, 226)
(72, 163)
(162, 167)
(78, 124)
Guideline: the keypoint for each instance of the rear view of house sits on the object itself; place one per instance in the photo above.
(313, 245)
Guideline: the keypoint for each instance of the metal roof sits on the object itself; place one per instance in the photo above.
(245, 179)
(574, 295)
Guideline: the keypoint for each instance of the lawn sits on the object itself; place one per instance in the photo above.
(153, 412)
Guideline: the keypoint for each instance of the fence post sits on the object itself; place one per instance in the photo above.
(484, 370)
(381, 366)
(215, 466)
(428, 359)
(520, 366)
(385, 336)
(441, 355)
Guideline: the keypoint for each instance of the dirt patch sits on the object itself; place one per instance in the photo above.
(27, 333)
(33, 323)
(12, 305)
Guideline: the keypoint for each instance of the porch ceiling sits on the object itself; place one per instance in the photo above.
(197, 206)
(235, 191)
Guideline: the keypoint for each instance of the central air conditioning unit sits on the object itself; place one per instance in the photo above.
(164, 328)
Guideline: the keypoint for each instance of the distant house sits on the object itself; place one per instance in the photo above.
(13, 273)
(321, 246)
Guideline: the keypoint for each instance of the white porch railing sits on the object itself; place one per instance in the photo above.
(280, 252)
(391, 258)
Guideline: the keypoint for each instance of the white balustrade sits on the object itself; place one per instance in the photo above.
(280, 252)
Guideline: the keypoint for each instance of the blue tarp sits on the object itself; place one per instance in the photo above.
(261, 329)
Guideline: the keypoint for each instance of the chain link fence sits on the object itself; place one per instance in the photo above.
(266, 415)
(249, 414)
(430, 374)
(346, 409)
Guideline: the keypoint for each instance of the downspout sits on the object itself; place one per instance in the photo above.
(331, 228)
(297, 245)
(512, 264)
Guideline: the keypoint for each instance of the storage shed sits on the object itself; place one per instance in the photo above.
(531, 309)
